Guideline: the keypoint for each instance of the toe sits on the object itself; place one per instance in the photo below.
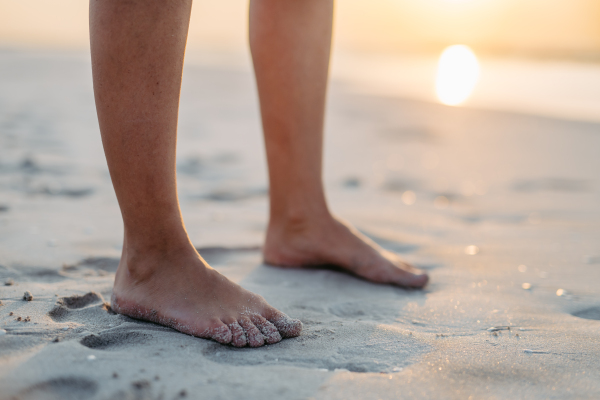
(238, 336)
(414, 281)
(287, 327)
(419, 280)
(220, 333)
(255, 337)
(269, 331)
(408, 276)
(398, 272)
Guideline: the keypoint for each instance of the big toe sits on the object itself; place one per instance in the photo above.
(410, 277)
(418, 281)
(287, 327)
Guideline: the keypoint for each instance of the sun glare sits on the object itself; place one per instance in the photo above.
(457, 75)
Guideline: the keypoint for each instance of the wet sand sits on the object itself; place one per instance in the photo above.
(502, 209)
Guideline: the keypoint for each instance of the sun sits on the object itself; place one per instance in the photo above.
(457, 74)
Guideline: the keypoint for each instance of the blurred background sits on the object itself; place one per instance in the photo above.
(463, 134)
(531, 56)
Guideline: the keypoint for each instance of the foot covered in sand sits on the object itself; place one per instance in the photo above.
(178, 289)
(328, 241)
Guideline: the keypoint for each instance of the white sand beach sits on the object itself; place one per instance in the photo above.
(501, 208)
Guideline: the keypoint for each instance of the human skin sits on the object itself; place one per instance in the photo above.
(137, 59)
(290, 43)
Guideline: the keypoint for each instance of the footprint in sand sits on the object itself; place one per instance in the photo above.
(588, 313)
(114, 340)
(106, 264)
(65, 305)
(77, 301)
(64, 388)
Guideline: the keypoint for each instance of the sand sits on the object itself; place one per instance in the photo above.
(502, 209)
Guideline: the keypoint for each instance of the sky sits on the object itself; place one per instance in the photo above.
(523, 27)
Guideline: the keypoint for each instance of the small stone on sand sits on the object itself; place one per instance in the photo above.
(2, 332)
(528, 351)
(9, 282)
(526, 286)
(498, 328)
(56, 340)
(141, 384)
(561, 292)
(27, 296)
(91, 357)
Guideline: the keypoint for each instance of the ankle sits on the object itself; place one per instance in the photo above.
(156, 239)
(298, 224)
(298, 207)
(141, 261)
(299, 219)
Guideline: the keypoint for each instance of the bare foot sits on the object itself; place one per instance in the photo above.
(178, 289)
(330, 241)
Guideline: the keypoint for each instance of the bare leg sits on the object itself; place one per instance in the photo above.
(290, 42)
(137, 59)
